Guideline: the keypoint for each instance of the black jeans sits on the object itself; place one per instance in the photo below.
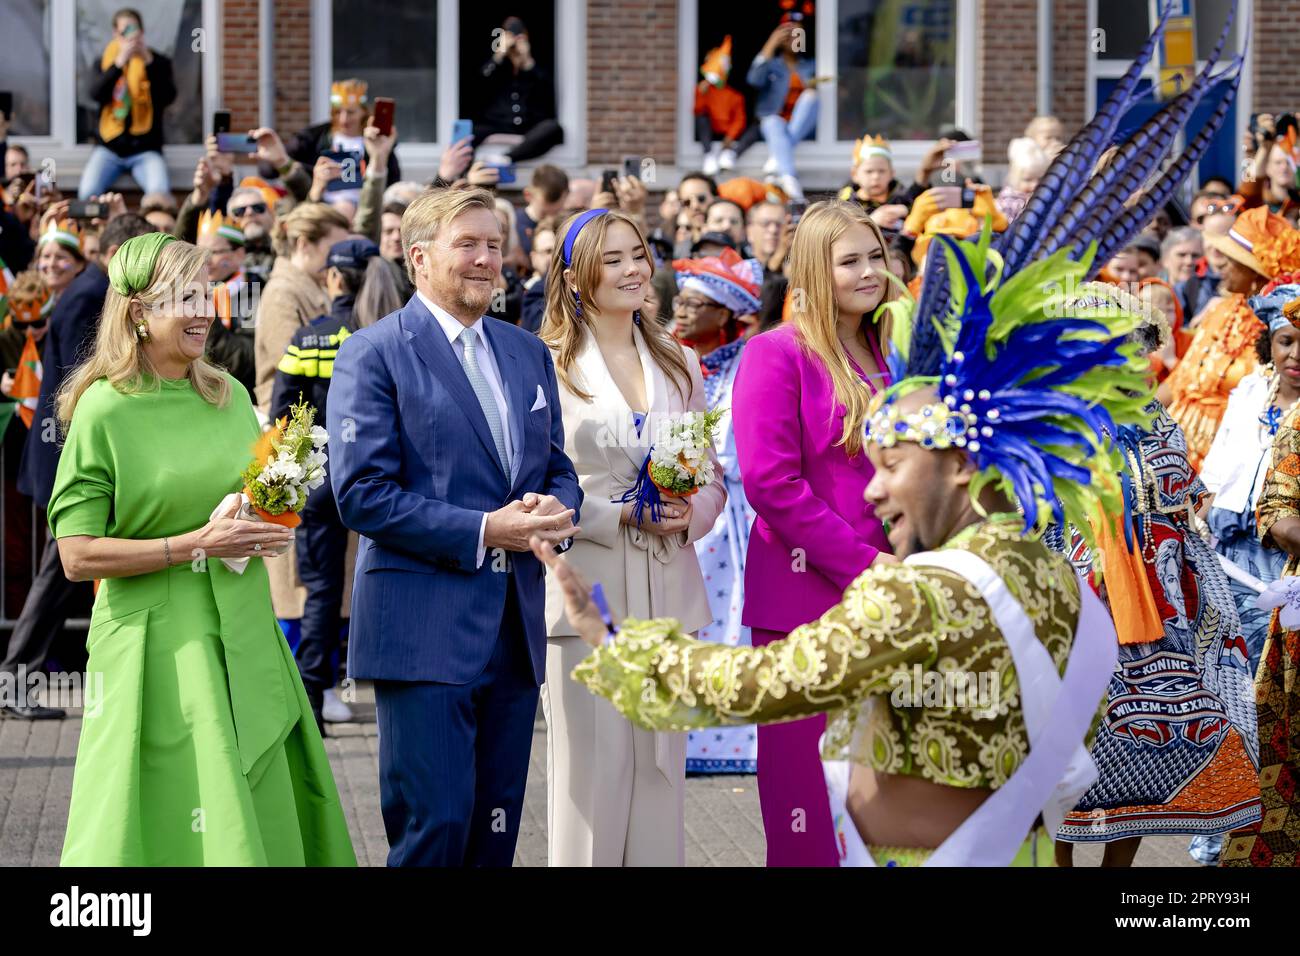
(704, 135)
(44, 612)
(542, 138)
(320, 545)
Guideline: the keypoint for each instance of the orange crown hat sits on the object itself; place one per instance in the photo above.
(1260, 241)
(215, 224)
(270, 193)
(28, 297)
(869, 146)
(745, 192)
(348, 93)
(66, 234)
(717, 64)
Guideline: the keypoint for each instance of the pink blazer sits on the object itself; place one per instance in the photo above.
(814, 532)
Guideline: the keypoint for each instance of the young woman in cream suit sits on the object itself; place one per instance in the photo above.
(614, 791)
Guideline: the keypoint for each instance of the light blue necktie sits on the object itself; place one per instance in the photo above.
(469, 361)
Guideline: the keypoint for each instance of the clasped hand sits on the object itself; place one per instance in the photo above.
(543, 516)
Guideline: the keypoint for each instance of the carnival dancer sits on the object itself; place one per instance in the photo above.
(949, 781)
(1176, 750)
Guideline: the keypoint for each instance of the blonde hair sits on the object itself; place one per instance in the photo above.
(118, 354)
(815, 312)
(563, 327)
(310, 221)
(427, 213)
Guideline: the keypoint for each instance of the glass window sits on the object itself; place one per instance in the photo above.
(25, 65)
(1127, 24)
(479, 22)
(897, 68)
(392, 46)
(169, 29)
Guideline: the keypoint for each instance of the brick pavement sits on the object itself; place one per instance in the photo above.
(723, 826)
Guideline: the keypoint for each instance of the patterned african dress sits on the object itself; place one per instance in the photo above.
(1275, 839)
(1222, 353)
(862, 663)
(1176, 751)
(722, 560)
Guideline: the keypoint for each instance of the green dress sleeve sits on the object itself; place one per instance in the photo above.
(889, 619)
(82, 499)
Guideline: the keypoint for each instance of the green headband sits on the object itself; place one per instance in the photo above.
(131, 267)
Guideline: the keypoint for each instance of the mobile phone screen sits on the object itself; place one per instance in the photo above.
(220, 121)
(235, 143)
(383, 115)
(461, 129)
(632, 166)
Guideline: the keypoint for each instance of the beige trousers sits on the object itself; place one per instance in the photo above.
(615, 794)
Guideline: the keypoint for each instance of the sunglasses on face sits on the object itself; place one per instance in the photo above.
(253, 209)
(1216, 207)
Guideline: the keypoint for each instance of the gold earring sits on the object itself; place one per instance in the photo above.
(142, 331)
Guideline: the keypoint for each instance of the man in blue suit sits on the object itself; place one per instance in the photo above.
(446, 453)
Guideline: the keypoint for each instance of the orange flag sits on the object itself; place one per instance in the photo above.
(27, 381)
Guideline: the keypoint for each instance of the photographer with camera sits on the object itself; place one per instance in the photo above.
(133, 85)
(1274, 183)
(520, 96)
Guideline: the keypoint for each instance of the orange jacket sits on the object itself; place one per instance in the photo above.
(724, 106)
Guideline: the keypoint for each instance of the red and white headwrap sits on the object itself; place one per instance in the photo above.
(727, 279)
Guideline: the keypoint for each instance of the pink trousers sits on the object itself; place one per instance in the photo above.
(792, 788)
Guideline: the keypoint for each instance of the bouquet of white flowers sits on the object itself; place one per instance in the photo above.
(288, 464)
(678, 464)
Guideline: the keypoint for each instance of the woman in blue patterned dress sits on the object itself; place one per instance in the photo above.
(712, 293)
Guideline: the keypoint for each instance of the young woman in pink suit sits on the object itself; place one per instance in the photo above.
(800, 399)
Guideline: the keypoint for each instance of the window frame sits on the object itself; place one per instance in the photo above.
(1099, 69)
(61, 144)
(420, 159)
(824, 155)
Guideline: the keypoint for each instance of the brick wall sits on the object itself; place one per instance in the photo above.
(1276, 39)
(631, 79)
(1070, 62)
(239, 76)
(293, 65)
(1008, 83)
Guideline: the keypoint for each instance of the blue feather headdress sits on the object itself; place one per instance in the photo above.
(1078, 204)
(1033, 376)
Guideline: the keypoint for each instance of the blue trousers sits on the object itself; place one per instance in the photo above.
(104, 166)
(453, 758)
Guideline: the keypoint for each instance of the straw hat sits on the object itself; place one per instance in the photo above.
(1260, 241)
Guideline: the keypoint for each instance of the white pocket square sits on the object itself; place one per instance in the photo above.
(541, 400)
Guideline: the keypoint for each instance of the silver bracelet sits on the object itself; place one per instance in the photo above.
(167, 550)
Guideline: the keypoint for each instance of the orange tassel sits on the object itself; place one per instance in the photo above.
(1128, 588)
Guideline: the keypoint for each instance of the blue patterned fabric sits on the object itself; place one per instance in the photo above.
(1177, 749)
(722, 561)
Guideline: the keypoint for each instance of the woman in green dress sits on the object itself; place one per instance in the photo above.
(194, 750)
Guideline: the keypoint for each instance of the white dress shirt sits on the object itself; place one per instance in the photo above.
(487, 363)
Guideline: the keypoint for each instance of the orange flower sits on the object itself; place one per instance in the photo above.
(1281, 253)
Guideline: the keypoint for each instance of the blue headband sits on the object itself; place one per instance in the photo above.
(582, 220)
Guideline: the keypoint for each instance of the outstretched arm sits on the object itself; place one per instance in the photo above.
(890, 618)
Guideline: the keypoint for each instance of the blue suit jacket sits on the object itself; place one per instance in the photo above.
(74, 322)
(413, 467)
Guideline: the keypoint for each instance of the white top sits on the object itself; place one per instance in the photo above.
(487, 363)
(1238, 460)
